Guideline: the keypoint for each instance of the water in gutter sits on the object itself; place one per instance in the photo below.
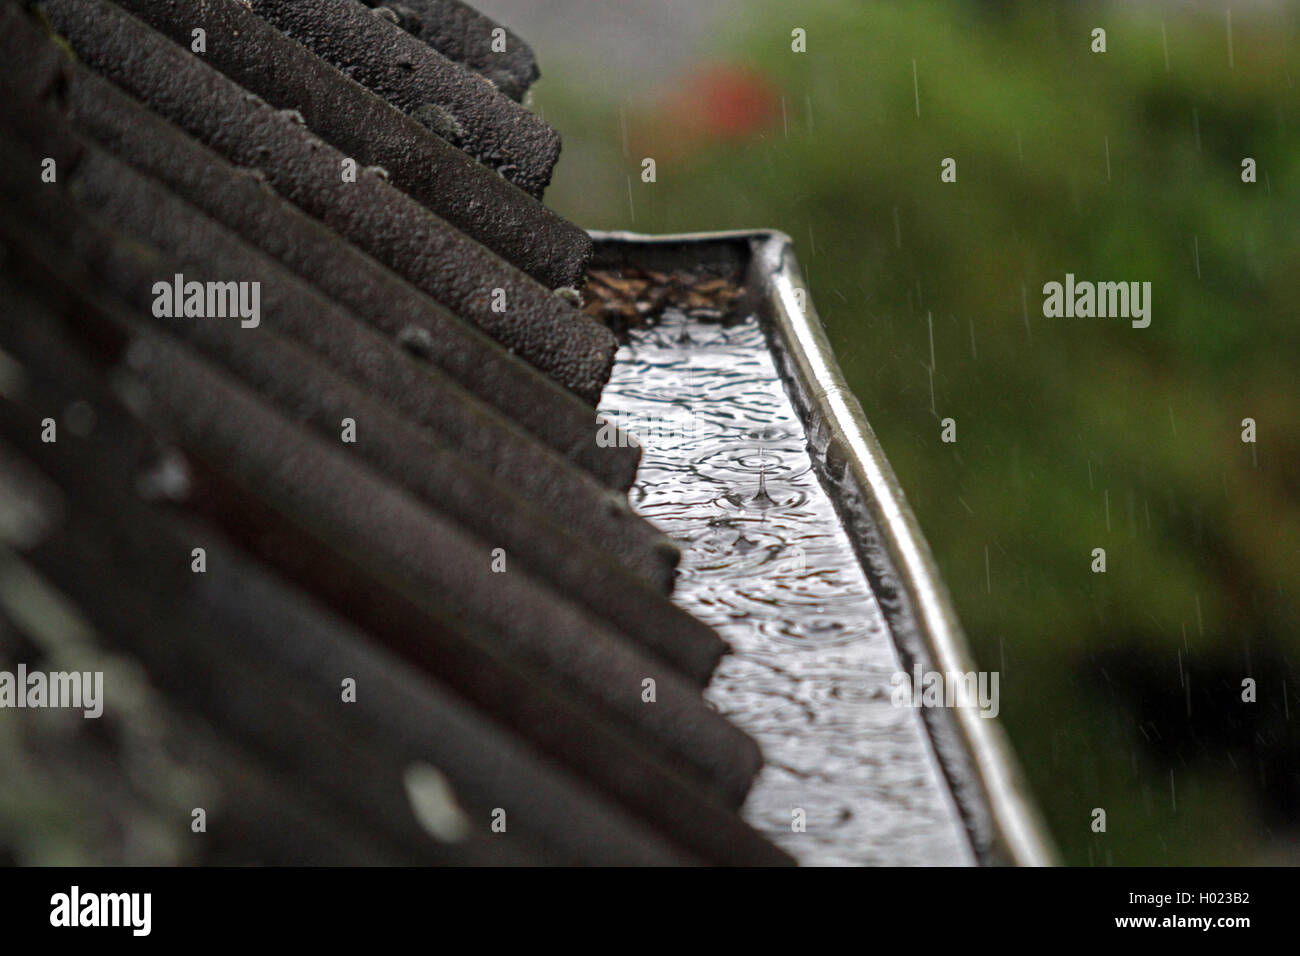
(851, 778)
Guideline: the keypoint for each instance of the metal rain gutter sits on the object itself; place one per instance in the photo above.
(993, 800)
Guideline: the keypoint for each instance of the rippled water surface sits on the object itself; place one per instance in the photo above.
(726, 473)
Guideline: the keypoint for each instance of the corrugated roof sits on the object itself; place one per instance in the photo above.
(395, 475)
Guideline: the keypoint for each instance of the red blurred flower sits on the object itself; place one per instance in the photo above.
(713, 104)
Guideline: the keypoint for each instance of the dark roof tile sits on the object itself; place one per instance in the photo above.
(241, 202)
(455, 103)
(461, 33)
(387, 223)
(361, 125)
(374, 556)
(248, 635)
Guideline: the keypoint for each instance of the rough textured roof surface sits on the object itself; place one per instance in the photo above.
(365, 540)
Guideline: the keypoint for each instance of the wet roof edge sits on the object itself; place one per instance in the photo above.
(995, 802)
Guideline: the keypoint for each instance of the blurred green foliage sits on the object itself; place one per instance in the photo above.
(1073, 434)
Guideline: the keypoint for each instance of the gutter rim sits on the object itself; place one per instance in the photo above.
(1001, 818)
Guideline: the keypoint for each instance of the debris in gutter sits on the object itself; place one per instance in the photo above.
(629, 297)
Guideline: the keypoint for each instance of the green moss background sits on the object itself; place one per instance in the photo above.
(1120, 691)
